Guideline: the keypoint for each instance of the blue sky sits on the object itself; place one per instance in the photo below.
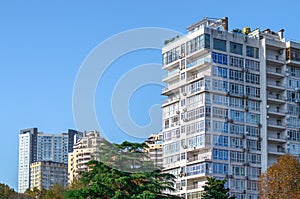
(43, 44)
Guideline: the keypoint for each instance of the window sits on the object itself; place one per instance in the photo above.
(196, 141)
(219, 85)
(196, 169)
(220, 127)
(220, 140)
(252, 118)
(237, 129)
(253, 145)
(219, 44)
(236, 75)
(254, 158)
(252, 65)
(237, 115)
(253, 91)
(236, 48)
(252, 131)
(236, 143)
(236, 156)
(171, 56)
(219, 168)
(195, 127)
(219, 154)
(219, 58)
(293, 135)
(238, 170)
(236, 102)
(253, 105)
(220, 99)
(236, 89)
(198, 43)
(252, 52)
(236, 62)
(252, 78)
(219, 71)
(219, 112)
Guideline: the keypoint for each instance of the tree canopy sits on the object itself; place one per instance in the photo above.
(281, 180)
(215, 188)
(122, 172)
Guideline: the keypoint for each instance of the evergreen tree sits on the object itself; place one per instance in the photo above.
(215, 189)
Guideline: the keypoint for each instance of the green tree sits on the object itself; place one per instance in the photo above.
(215, 189)
(35, 193)
(122, 172)
(281, 180)
(57, 192)
(6, 191)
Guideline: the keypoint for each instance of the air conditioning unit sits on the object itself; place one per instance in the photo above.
(246, 109)
(228, 93)
(184, 146)
(280, 51)
(185, 109)
(186, 120)
(184, 94)
(177, 112)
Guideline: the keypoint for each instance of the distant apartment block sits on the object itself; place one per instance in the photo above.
(35, 146)
(154, 151)
(83, 151)
(232, 107)
(45, 174)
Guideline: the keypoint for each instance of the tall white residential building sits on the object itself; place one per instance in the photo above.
(232, 105)
(35, 146)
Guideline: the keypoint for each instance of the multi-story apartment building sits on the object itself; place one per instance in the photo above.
(83, 151)
(154, 150)
(232, 105)
(45, 174)
(35, 146)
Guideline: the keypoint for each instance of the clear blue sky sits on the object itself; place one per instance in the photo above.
(43, 43)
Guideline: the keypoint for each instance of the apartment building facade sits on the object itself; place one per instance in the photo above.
(35, 146)
(83, 151)
(45, 174)
(232, 105)
(155, 150)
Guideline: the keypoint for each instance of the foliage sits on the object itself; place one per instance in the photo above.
(281, 180)
(122, 172)
(36, 193)
(215, 188)
(127, 156)
(57, 191)
(105, 182)
(8, 193)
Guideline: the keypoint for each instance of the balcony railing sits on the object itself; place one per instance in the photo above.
(169, 74)
(279, 84)
(275, 110)
(202, 60)
(278, 97)
(275, 58)
(275, 70)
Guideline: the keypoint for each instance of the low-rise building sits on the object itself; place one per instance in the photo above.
(45, 174)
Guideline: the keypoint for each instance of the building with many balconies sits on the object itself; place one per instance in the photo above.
(232, 105)
(83, 151)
